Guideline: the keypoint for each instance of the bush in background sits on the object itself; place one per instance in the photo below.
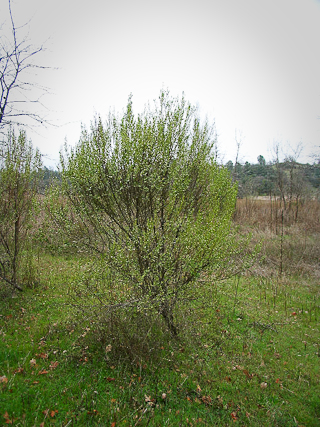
(19, 180)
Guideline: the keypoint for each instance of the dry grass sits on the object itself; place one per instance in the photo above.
(290, 237)
(265, 213)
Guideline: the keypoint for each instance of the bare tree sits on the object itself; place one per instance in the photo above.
(281, 177)
(19, 94)
(238, 139)
(316, 156)
(291, 164)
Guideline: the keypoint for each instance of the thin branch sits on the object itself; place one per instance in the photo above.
(15, 285)
(15, 59)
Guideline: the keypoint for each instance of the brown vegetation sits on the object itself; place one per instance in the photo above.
(290, 237)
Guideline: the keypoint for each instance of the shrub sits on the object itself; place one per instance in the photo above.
(155, 206)
(19, 179)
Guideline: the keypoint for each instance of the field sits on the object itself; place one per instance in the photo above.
(247, 353)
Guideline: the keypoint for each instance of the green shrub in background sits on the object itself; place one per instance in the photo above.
(20, 167)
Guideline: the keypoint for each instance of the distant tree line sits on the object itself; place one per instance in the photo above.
(290, 180)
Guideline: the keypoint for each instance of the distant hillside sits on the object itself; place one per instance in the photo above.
(289, 178)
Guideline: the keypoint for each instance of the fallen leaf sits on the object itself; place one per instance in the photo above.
(42, 355)
(149, 401)
(206, 400)
(234, 416)
(108, 348)
(33, 362)
(53, 413)
(54, 365)
(18, 371)
(239, 367)
(247, 374)
(220, 400)
(109, 379)
(93, 412)
(3, 379)
(43, 372)
(263, 385)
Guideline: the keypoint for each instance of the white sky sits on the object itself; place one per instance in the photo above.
(251, 65)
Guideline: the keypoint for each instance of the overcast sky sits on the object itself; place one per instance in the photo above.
(251, 66)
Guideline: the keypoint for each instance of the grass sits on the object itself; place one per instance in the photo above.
(249, 357)
(248, 352)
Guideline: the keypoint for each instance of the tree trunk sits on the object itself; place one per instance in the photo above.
(166, 313)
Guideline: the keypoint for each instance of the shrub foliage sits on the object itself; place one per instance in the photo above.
(149, 198)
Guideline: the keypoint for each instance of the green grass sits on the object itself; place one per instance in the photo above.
(248, 355)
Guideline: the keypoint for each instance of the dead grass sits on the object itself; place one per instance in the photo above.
(290, 240)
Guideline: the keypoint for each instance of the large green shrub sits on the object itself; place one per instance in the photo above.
(154, 204)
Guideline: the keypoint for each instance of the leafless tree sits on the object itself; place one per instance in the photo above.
(239, 139)
(281, 177)
(19, 94)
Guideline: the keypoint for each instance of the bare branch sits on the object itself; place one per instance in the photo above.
(10, 282)
(16, 58)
